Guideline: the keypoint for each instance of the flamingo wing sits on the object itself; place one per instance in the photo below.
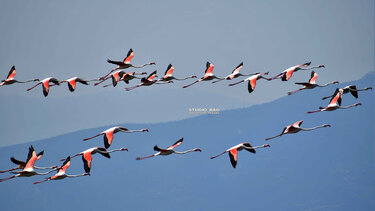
(286, 76)
(31, 158)
(87, 158)
(151, 76)
(11, 73)
(336, 98)
(237, 69)
(129, 56)
(169, 70)
(17, 162)
(178, 143)
(82, 81)
(353, 91)
(313, 77)
(103, 151)
(108, 138)
(250, 150)
(156, 148)
(251, 85)
(65, 165)
(233, 157)
(298, 124)
(115, 62)
(209, 68)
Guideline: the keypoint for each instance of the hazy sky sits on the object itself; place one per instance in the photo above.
(74, 38)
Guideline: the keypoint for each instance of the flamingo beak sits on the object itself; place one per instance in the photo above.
(198, 150)
(124, 149)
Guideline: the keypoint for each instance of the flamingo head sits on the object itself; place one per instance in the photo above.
(357, 104)
(143, 73)
(193, 76)
(335, 82)
(170, 81)
(267, 145)
(368, 88)
(144, 130)
(151, 63)
(36, 79)
(266, 73)
(320, 66)
(326, 125)
(87, 173)
(124, 149)
(197, 150)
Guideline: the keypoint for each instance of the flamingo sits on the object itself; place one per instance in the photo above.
(252, 81)
(235, 73)
(168, 75)
(121, 75)
(125, 64)
(169, 150)
(28, 170)
(148, 81)
(286, 74)
(311, 84)
(87, 155)
(73, 81)
(22, 164)
(335, 103)
(295, 128)
(61, 173)
(233, 151)
(208, 75)
(10, 78)
(352, 89)
(108, 134)
(46, 84)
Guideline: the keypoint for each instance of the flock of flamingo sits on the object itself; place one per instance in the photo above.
(118, 74)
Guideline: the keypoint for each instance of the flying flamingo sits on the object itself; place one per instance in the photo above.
(311, 84)
(22, 164)
(286, 74)
(235, 73)
(148, 81)
(233, 151)
(335, 103)
(168, 75)
(208, 75)
(87, 155)
(73, 81)
(108, 134)
(124, 64)
(10, 78)
(46, 84)
(120, 75)
(352, 89)
(169, 150)
(28, 170)
(61, 173)
(295, 128)
(252, 81)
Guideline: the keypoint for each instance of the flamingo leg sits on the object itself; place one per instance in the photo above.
(33, 86)
(217, 155)
(310, 112)
(289, 93)
(41, 181)
(102, 78)
(236, 83)
(274, 136)
(192, 83)
(141, 158)
(85, 139)
(10, 170)
(133, 87)
(5, 179)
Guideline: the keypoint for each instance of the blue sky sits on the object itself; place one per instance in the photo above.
(66, 39)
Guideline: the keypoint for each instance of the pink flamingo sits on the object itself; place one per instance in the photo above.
(148, 81)
(169, 150)
(311, 84)
(235, 73)
(335, 103)
(208, 75)
(46, 85)
(168, 75)
(61, 174)
(352, 89)
(108, 134)
(72, 82)
(252, 81)
(233, 151)
(10, 78)
(28, 170)
(125, 63)
(120, 75)
(286, 74)
(22, 164)
(295, 128)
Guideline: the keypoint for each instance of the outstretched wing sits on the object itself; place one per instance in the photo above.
(233, 157)
(169, 70)
(17, 162)
(250, 150)
(129, 57)
(336, 98)
(151, 76)
(237, 69)
(297, 124)
(313, 77)
(209, 68)
(11, 73)
(353, 91)
(178, 143)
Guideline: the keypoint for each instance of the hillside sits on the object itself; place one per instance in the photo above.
(330, 168)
